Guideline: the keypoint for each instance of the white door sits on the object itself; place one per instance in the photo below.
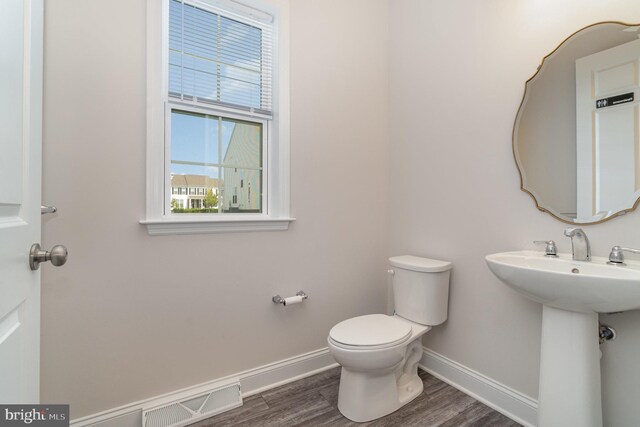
(20, 171)
(608, 131)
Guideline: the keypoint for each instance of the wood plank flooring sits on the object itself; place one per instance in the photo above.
(313, 401)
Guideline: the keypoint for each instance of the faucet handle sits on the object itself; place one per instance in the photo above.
(550, 249)
(616, 257)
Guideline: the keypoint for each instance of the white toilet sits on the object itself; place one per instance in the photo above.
(379, 354)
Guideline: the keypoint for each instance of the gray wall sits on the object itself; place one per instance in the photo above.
(132, 316)
(457, 76)
(170, 312)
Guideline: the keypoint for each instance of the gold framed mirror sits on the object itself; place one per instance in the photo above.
(576, 137)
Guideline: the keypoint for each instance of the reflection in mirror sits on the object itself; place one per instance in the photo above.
(576, 140)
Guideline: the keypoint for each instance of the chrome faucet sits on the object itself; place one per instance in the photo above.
(579, 244)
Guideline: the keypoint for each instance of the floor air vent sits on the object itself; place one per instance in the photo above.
(194, 407)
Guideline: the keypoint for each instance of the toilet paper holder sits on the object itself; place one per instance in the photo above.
(277, 299)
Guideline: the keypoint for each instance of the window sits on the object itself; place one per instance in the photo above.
(217, 152)
(218, 116)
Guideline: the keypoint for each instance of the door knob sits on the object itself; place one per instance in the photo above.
(57, 256)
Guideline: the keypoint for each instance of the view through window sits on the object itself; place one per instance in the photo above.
(216, 164)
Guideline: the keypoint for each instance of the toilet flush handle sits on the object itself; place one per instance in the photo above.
(390, 272)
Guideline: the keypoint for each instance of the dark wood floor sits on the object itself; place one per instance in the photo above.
(313, 401)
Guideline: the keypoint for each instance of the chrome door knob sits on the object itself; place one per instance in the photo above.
(57, 256)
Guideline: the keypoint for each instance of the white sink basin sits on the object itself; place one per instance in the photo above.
(572, 294)
(588, 287)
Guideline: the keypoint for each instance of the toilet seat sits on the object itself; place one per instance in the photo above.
(372, 331)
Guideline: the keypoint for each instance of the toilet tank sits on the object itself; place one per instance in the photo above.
(420, 288)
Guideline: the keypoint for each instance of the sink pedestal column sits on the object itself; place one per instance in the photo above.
(569, 392)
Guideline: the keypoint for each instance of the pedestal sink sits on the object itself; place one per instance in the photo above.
(572, 294)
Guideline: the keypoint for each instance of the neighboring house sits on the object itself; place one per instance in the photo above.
(241, 189)
(189, 191)
(242, 171)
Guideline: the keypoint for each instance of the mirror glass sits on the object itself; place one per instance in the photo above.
(576, 139)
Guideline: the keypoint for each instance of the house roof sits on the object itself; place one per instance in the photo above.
(194, 181)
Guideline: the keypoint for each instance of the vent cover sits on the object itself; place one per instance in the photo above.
(193, 408)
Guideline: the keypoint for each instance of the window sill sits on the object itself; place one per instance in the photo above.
(206, 225)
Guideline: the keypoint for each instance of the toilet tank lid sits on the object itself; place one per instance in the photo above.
(416, 263)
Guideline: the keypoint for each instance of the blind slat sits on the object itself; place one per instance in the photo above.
(216, 59)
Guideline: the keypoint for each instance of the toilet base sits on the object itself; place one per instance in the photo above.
(364, 399)
(364, 396)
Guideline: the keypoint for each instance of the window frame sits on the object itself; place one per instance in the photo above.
(275, 214)
(264, 121)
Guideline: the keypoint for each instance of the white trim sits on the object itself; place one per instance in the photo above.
(515, 405)
(217, 110)
(241, 10)
(157, 33)
(208, 225)
(286, 371)
(252, 381)
(265, 124)
(276, 197)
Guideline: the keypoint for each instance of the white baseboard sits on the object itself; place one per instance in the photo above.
(252, 381)
(511, 403)
(515, 405)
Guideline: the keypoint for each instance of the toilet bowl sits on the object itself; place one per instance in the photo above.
(370, 385)
(379, 354)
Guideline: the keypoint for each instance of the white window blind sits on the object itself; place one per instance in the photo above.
(217, 57)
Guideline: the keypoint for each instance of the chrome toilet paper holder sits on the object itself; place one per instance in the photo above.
(277, 299)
